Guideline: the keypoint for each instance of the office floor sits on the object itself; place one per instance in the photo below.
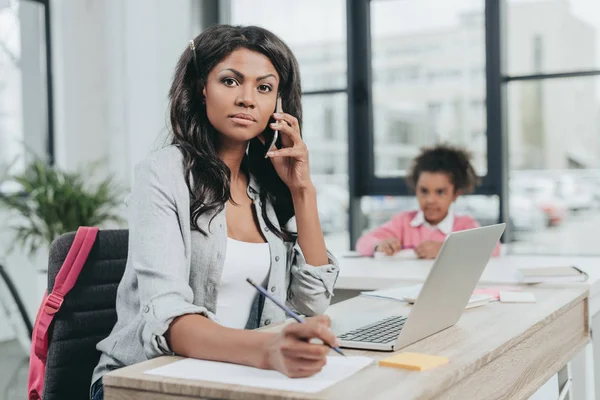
(13, 371)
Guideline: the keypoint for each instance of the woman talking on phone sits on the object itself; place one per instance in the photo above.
(222, 204)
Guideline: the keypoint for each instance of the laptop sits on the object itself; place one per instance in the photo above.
(443, 297)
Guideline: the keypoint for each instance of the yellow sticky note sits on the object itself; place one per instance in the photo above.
(413, 361)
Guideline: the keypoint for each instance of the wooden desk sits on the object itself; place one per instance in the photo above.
(357, 274)
(500, 351)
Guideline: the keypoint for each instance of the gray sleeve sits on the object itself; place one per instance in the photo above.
(157, 255)
(311, 287)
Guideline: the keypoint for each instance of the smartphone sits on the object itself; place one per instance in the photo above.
(271, 144)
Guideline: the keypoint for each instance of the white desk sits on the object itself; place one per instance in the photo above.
(358, 274)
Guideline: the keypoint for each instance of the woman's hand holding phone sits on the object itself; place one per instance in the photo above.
(291, 161)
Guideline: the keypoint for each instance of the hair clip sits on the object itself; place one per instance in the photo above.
(193, 48)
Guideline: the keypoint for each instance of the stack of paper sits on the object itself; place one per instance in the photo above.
(552, 274)
(476, 300)
(410, 294)
(517, 297)
(396, 293)
(337, 369)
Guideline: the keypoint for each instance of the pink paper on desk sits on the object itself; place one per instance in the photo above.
(495, 293)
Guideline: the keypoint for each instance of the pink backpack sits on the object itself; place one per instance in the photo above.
(65, 280)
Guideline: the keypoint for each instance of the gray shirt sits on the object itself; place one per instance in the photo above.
(172, 270)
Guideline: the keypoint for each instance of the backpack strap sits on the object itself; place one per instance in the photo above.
(65, 280)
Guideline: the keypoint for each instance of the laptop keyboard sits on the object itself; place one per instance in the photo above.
(384, 331)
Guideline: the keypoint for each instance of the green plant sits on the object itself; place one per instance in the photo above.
(52, 202)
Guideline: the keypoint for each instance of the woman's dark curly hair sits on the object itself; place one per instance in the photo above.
(454, 161)
(207, 176)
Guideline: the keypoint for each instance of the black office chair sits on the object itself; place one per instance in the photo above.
(87, 314)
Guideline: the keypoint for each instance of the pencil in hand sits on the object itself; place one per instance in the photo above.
(288, 311)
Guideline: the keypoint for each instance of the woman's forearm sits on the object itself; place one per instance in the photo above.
(310, 235)
(196, 336)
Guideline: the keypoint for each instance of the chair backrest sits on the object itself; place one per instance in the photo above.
(87, 314)
(11, 302)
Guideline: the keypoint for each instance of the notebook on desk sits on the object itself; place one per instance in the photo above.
(552, 275)
(476, 300)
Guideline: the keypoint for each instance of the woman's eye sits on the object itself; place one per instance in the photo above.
(230, 82)
(265, 88)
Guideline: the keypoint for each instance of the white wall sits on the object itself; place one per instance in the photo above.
(113, 61)
(25, 126)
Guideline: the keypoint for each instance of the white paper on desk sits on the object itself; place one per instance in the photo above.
(337, 369)
(395, 293)
(351, 254)
(407, 254)
(410, 294)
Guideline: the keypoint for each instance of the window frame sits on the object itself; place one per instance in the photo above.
(361, 158)
(50, 149)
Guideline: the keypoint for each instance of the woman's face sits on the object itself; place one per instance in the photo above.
(240, 94)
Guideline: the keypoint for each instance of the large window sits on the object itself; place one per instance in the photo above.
(24, 116)
(554, 128)
(553, 110)
(516, 82)
(11, 115)
(315, 30)
(550, 36)
(428, 80)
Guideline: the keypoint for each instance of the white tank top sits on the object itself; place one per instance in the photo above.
(242, 260)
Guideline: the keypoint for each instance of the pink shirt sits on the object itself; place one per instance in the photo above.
(411, 229)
